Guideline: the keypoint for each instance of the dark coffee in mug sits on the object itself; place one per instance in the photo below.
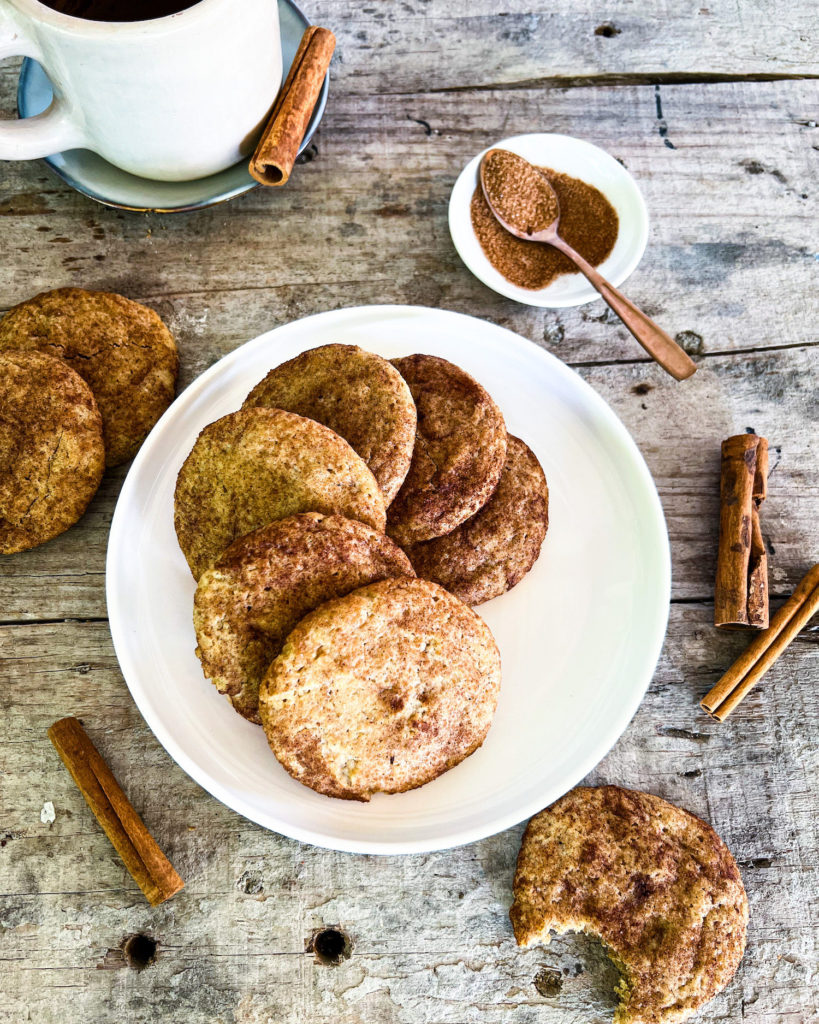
(119, 10)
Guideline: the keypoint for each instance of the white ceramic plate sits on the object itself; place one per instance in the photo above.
(581, 160)
(579, 636)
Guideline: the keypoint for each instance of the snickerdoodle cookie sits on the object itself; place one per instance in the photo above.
(356, 393)
(120, 348)
(51, 450)
(460, 449)
(254, 466)
(258, 590)
(494, 549)
(381, 691)
(655, 883)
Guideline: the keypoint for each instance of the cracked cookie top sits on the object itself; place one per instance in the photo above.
(356, 393)
(51, 450)
(655, 883)
(460, 449)
(494, 549)
(255, 466)
(266, 581)
(120, 348)
(381, 691)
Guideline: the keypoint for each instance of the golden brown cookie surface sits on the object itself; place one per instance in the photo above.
(120, 348)
(654, 882)
(51, 450)
(259, 589)
(255, 466)
(381, 690)
(357, 394)
(493, 550)
(460, 449)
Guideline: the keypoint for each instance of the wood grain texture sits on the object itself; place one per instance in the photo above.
(422, 45)
(431, 940)
(434, 45)
(728, 169)
(732, 207)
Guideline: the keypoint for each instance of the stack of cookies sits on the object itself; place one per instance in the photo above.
(339, 526)
(83, 378)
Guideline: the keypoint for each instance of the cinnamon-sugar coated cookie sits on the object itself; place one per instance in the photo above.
(654, 882)
(52, 455)
(460, 449)
(357, 394)
(122, 350)
(381, 690)
(266, 581)
(494, 549)
(255, 466)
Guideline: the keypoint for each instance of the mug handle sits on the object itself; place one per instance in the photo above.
(45, 134)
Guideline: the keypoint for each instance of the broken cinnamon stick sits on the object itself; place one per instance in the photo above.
(150, 868)
(278, 147)
(764, 649)
(741, 590)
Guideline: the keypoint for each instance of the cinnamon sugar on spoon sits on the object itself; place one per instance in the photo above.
(588, 221)
(514, 187)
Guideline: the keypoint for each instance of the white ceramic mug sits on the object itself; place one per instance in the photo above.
(173, 99)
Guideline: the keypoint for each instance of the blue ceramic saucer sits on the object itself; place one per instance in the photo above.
(94, 177)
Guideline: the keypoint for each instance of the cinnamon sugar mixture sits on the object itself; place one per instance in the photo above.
(588, 222)
(518, 192)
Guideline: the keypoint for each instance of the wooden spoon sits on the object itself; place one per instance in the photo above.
(539, 228)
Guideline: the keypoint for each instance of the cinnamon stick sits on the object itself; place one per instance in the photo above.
(765, 648)
(278, 147)
(741, 590)
(151, 869)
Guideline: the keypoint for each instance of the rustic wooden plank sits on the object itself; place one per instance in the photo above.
(421, 45)
(431, 941)
(678, 427)
(441, 44)
(679, 431)
(730, 263)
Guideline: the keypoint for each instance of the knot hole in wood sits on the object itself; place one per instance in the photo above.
(330, 946)
(140, 951)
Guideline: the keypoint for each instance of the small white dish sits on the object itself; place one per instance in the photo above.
(579, 637)
(580, 159)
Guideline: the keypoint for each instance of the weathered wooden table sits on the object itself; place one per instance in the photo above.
(714, 109)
